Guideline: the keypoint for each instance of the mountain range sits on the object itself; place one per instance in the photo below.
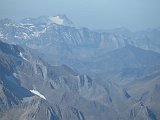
(51, 69)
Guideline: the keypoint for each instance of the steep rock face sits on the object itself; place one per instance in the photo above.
(145, 90)
(17, 102)
(68, 95)
(61, 87)
(32, 108)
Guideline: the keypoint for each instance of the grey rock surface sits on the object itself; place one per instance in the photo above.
(115, 75)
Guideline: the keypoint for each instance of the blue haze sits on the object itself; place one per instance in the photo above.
(95, 14)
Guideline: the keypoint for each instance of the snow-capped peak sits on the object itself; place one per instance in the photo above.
(57, 20)
(60, 20)
(42, 20)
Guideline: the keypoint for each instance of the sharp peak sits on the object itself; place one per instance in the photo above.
(60, 19)
(57, 15)
(61, 15)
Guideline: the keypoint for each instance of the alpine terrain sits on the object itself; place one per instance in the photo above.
(50, 69)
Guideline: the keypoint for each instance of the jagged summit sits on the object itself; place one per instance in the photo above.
(56, 19)
(61, 20)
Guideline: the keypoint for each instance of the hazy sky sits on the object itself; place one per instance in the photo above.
(95, 14)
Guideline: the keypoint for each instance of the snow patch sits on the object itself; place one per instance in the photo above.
(23, 35)
(37, 93)
(114, 39)
(21, 55)
(1, 35)
(37, 34)
(12, 24)
(56, 20)
(8, 24)
(15, 75)
(28, 24)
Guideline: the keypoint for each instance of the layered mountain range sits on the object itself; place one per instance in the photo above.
(50, 69)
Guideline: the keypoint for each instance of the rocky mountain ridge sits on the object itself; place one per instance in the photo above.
(115, 73)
